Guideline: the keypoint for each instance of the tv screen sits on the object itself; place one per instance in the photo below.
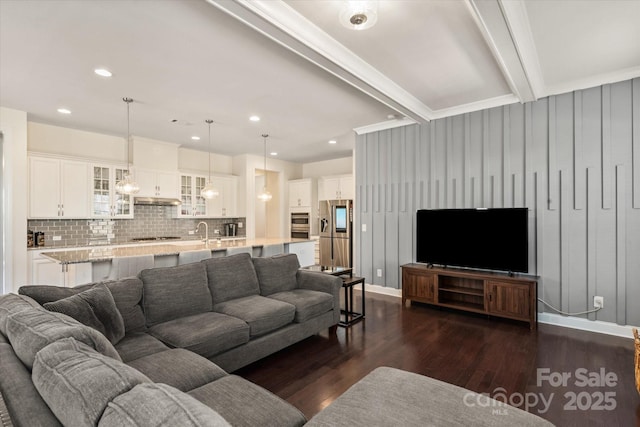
(490, 239)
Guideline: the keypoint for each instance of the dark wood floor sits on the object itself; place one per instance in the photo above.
(468, 350)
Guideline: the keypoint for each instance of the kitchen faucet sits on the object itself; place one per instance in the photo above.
(206, 231)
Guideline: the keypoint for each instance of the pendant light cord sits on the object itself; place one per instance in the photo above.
(265, 136)
(128, 101)
(209, 121)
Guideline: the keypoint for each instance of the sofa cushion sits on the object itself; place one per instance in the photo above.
(23, 401)
(188, 370)
(231, 277)
(94, 307)
(159, 404)
(243, 403)
(137, 345)
(12, 303)
(206, 334)
(261, 314)
(127, 294)
(173, 292)
(31, 330)
(277, 273)
(308, 303)
(77, 382)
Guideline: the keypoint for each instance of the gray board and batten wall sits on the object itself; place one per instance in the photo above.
(573, 160)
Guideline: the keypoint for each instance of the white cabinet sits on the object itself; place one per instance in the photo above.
(336, 187)
(154, 183)
(43, 271)
(105, 201)
(193, 204)
(225, 205)
(301, 193)
(58, 188)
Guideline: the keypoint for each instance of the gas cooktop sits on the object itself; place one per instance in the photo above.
(150, 239)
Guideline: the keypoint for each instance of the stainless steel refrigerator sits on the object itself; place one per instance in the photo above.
(336, 219)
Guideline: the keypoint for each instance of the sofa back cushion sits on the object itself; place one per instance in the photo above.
(277, 273)
(29, 331)
(127, 294)
(77, 382)
(94, 307)
(12, 303)
(231, 277)
(153, 404)
(173, 292)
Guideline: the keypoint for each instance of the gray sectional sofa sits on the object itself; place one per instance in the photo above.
(161, 344)
(141, 351)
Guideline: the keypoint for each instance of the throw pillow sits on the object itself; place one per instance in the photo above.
(94, 307)
(277, 273)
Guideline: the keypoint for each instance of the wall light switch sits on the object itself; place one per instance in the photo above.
(364, 227)
(379, 272)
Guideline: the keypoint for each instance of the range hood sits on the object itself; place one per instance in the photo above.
(156, 201)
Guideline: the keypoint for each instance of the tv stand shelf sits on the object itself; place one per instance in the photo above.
(494, 294)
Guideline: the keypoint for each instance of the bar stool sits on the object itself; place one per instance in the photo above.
(271, 250)
(187, 257)
(129, 266)
(240, 250)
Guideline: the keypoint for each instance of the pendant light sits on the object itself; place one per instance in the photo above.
(209, 191)
(265, 195)
(127, 185)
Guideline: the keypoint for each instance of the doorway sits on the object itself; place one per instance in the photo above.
(267, 214)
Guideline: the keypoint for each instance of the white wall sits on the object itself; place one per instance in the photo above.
(72, 142)
(342, 166)
(13, 125)
(196, 160)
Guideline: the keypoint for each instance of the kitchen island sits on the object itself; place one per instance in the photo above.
(74, 266)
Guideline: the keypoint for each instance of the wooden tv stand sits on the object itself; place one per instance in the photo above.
(493, 294)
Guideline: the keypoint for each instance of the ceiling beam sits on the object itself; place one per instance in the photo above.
(284, 25)
(499, 34)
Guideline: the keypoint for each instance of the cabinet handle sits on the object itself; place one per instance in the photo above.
(62, 210)
(490, 297)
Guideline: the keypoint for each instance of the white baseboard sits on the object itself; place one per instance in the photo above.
(377, 289)
(597, 326)
(586, 324)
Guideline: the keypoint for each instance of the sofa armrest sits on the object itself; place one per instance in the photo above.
(322, 282)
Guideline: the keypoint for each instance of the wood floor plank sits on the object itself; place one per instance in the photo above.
(472, 351)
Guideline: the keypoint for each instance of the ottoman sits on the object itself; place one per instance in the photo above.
(389, 396)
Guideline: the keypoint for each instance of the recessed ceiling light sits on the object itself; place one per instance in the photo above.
(333, 141)
(64, 111)
(103, 72)
(273, 153)
(254, 118)
(195, 138)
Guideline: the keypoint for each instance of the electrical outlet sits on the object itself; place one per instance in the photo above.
(56, 238)
(191, 232)
(240, 225)
(364, 228)
(379, 272)
(598, 302)
(216, 231)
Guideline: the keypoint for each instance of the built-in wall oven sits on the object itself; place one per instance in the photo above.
(300, 225)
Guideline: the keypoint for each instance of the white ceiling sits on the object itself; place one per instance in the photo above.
(293, 64)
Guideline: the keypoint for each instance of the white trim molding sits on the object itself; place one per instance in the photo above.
(389, 124)
(598, 326)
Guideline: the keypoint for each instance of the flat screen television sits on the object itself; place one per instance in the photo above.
(488, 239)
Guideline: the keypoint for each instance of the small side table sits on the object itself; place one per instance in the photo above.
(351, 316)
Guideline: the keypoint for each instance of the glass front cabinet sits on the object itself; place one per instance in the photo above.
(105, 201)
(193, 204)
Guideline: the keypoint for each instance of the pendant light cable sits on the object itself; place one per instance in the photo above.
(209, 191)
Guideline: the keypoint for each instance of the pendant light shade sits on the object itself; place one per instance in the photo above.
(127, 185)
(209, 191)
(265, 195)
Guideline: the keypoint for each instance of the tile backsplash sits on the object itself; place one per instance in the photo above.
(149, 221)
